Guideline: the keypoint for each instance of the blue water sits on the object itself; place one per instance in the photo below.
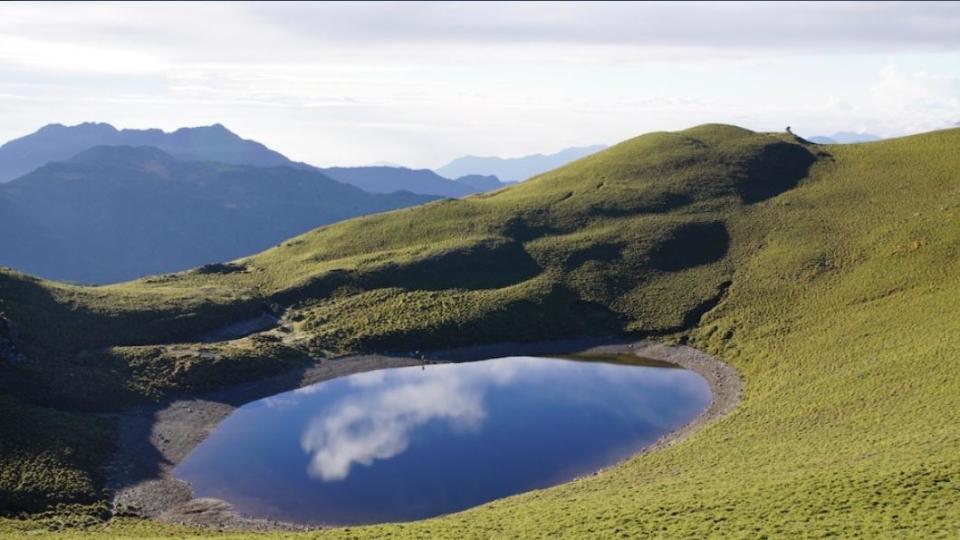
(409, 443)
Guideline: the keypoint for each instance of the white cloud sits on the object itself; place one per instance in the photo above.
(423, 83)
(916, 101)
(65, 56)
(375, 422)
(897, 88)
(894, 101)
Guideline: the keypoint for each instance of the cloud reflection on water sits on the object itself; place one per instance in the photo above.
(376, 421)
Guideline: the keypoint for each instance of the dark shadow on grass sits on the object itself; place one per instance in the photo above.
(143, 457)
(521, 230)
(64, 327)
(776, 168)
(485, 265)
(599, 252)
(691, 319)
(559, 314)
(655, 204)
(691, 245)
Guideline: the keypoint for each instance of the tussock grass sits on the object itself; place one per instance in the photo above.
(829, 278)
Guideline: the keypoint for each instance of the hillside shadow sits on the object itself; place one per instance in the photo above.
(521, 230)
(599, 253)
(558, 314)
(654, 204)
(485, 265)
(476, 267)
(144, 457)
(36, 312)
(777, 168)
(691, 245)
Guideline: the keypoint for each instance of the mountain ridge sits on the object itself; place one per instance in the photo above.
(114, 213)
(386, 179)
(827, 276)
(514, 169)
(214, 143)
(57, 142)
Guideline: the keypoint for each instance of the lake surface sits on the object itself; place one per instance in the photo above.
(409, 443)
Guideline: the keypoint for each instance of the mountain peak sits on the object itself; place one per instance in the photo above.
(215, 129)
(57, 142)
(83, 127)
(51, 127)
(481, 182)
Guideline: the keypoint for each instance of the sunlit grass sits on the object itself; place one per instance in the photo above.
(840, 316)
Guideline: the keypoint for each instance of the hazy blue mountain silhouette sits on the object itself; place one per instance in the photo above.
(481, 182)
(113, 213)
(844, 137)
(423, 181)
(56, 142)
(514, 169)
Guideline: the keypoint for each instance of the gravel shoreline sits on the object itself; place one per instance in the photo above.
(154, 439)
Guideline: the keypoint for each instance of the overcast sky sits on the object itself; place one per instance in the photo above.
(420, 84)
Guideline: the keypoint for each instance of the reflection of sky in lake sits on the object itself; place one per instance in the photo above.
(400, 444)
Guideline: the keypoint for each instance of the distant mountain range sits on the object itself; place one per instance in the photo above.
(96, 204)
(215, 143)
(514, 169)
(844, 137)
(481, 182)
(57, 142)
(114, 213)
(389, 179)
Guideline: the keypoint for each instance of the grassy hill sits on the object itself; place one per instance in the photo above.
(827, 275)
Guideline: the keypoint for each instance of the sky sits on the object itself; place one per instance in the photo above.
(422, 83)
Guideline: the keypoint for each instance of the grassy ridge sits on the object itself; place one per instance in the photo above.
(828, 278)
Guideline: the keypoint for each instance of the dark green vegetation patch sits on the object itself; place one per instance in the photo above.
(827, 275)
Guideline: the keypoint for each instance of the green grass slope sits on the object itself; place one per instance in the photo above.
(827, 275)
